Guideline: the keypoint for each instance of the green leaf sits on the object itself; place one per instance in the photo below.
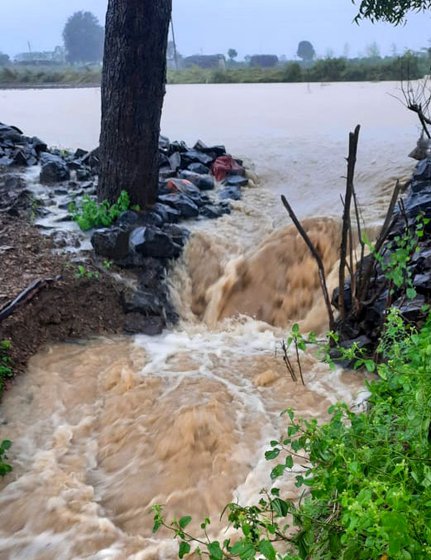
(183, 549)
(280, 507)
(266, 548)
(215, 551)
(6, 444)
(184, 521)
(269, 455)
(277, 471)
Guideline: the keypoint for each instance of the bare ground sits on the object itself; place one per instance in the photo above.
(68, 308)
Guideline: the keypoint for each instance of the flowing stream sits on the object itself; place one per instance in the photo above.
(103, 429)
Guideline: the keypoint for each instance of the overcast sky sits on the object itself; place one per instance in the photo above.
(249, 26)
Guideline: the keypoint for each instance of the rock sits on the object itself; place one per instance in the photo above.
(164, 143)
(54, 171)
(419, 202)
(212, 211)
(193, 156)
(182, 203)
(175, 161)
(214, 151)
(83, 174)
(152, 242)
(412, 310)
(233, 193)
(226, 165)
(166, 213)
(202, 182)
(422, 282)
(152, 275)
(130, 219)
(112, 243)
(135, 323)
(184, 186)
(199, 168)
(178, 234)
(142, 301)
(235, 181)
(80, 153)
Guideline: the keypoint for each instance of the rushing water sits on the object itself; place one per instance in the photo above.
(104, 429)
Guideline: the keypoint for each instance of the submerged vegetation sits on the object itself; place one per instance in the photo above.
(365, 477)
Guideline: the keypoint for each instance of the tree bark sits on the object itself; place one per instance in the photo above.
(133, 87)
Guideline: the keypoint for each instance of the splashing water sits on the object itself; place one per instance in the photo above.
(104, 429)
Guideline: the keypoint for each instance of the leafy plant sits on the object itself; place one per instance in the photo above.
(5, 468)
(5, 363)
(90, 214)
(365, 478)
(395, 259)
(82, 272)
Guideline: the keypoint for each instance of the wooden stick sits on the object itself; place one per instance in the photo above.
(25, 296)
(351, 161)
(317, 258)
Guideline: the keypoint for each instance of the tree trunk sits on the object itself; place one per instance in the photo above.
(133, 87)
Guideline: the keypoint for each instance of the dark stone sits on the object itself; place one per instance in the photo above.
(422, 282)
(135, 323)
(39, 145)
(178, 234)
(112, 243)
(235, 181)
(164, 143)
(20, 159)
(54, 171)
(152, 275)
(178, 147)
(212, 211)
(412, 310)
(164, 160)
(233, 193)
(91, 159)
(202, 182)
(193, 156)
(347, 296)
(214, 151)
(419, 202)
(83, 174)
(166, 173)
(182, 203)
(152, 242)
(166, 213)
(175, 161)
(130, 219)
(199, 168)
(143, 301)
(80, 153)
(6, 161)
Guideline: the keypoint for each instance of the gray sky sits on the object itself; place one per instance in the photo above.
(249, 26)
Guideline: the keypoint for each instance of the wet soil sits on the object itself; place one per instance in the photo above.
(71, 307)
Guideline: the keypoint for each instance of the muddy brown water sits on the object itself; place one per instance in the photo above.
(104, 429)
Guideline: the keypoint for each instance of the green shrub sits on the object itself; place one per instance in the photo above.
(88, 213)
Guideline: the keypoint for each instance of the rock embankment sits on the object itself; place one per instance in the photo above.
(401, 276)
(112, 279)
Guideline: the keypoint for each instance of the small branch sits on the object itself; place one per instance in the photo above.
(317, 258)
(25, 296)
(346, 228)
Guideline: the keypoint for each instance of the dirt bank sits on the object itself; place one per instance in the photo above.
(71, 307)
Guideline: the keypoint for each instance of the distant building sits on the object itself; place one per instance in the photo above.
(264, 60)
(205, 61)
(57, 56)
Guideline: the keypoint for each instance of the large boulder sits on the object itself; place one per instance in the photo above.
(54, 170)
(182, 203)
(112, 243)
(202, 182)
(152, 242)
